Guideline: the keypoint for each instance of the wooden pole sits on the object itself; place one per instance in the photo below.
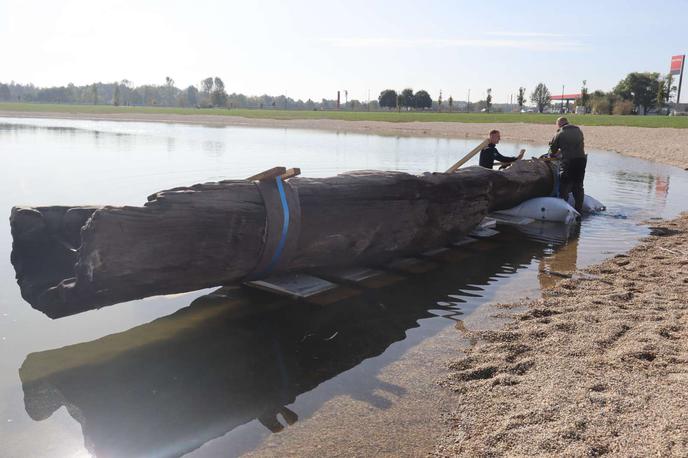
(468, 156)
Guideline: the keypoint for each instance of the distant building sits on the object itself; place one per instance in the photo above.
(565, 98)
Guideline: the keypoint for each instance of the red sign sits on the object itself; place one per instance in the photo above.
(676, 64)
(566, 97)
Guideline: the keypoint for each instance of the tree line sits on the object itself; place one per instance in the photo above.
(405, 99)
(637, 93)
(210, 93)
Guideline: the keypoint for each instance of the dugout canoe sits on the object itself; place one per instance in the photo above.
(71, 259)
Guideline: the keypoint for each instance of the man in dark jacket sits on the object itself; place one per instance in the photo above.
(489, 154)
(568, 144)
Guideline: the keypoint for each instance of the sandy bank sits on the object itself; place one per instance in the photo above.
(666, 145)
(598, 366)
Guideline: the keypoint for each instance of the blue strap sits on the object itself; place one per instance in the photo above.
(285, 228)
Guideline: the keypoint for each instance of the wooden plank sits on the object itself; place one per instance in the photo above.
(291, 173)
(483, 232)
(468, 156)
(487, 223)
(365, 277)
(296, 285)
(268, 174)
(352, 274)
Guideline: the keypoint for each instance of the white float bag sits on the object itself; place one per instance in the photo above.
(544, 209)
(590, 204)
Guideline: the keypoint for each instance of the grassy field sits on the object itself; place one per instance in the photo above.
(680, 122)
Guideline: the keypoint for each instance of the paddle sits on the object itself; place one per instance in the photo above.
(468, 156)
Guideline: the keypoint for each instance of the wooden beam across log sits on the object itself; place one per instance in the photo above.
(71, 259)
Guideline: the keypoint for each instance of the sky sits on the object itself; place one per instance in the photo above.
(312, 49)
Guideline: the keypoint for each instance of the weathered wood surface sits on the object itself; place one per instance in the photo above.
(69, 259)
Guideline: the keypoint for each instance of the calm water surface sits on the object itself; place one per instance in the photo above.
(156, 377)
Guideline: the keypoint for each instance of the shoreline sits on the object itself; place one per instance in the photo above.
(597, 366)
(659, 144)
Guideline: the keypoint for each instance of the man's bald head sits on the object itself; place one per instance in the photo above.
(562, 121)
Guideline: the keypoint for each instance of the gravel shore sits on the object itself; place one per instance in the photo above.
(598, 366)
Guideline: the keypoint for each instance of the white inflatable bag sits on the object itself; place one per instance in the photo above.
(590, 204)
(545, 209)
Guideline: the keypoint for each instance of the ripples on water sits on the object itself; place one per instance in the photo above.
(156, 377)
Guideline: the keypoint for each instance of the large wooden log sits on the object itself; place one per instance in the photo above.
(69, 259)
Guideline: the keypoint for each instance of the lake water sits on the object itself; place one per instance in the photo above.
(155, 377)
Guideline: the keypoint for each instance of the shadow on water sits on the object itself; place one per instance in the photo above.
(235, 355)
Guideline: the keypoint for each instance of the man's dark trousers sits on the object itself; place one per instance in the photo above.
(572, 176)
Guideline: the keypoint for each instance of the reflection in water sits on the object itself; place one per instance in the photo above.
(626, 177)
(662, 188)
(57, 130)
(14, 128)
(169, 386)
(214, 148)
(560, 264)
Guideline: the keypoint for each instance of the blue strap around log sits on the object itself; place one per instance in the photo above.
(285, 227)
(282, 226)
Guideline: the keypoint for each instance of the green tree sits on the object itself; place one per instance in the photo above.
(661, 94)
(192, 96)
(622, 107)
(219, 96)
(422, 100)
(125, 92)
(207, 89)
(670, 88)
(388, 99)
(665, 90)
(439, 101)
(521, 99)
(116, 97)
(94, 94)
(207, 85)
(540, 97)
(488, 100)
(451, 103)
(603, 102)
(5, 94)
(641, 89)
(407, 98)
(585, 97)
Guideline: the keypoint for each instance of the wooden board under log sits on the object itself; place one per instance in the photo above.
(71, 259)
